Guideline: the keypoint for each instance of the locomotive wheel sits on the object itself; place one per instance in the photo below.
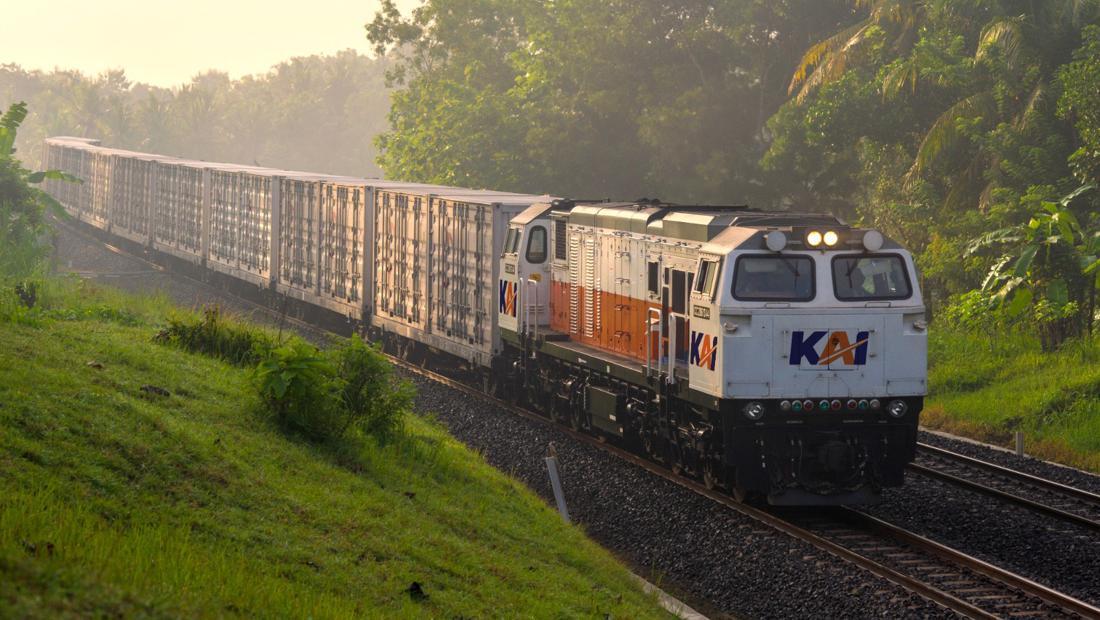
(675, 458)
(710, 476)
(554, 410)
(740, 494)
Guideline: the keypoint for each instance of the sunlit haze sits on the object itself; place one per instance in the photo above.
(166, 42)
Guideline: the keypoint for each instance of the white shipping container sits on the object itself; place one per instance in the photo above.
(240, 229)
(436, 267)
(132, 194)
(178, 209)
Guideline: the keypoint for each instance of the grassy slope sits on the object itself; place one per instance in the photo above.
(112, 502)
(1053, 397)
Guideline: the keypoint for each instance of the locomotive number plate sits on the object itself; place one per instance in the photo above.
(701, 312)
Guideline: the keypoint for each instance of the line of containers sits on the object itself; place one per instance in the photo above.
(414, 259)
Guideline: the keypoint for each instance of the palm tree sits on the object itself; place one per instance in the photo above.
(1016, 51)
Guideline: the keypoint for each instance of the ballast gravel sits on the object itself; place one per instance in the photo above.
(1058, 473)
(713, 556)
(1057, 554)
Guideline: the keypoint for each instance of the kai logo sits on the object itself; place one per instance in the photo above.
(821, 348)
(508, 297)
(704, 350)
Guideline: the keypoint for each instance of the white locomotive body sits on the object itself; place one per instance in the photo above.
(778, 353)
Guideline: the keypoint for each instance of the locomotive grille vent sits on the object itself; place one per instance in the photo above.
(575, 281)
(561, 240)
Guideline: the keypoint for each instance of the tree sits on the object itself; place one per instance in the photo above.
(1080, 83)
(592, 98)
(1048, 269)
(22, 206)
(936, 120)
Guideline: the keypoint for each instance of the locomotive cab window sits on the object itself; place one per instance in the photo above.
(707, 276)
(511, 242)
(870, 278)
(774, 278)
(653, 277)
(536, 245)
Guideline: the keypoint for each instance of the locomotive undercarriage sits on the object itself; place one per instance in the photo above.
(787, 460)
(811, 462)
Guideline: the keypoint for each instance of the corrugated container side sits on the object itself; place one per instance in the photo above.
(101, 186)
(239, 236)
(179, 207)
(343, 235)
(225, 219)
(436, 268)
(255, 232)
(298, 234)
(131, 195)
(401, 231)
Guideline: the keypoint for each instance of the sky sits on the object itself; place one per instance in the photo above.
(166, 42)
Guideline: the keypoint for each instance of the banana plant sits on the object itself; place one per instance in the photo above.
(1029, 270)
(9, 128)
(23, 226)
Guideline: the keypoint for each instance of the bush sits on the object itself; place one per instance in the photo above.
(212, 335)
(326, 396)
(372, 398)
(299, 387)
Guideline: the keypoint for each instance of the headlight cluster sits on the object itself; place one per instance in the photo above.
(815, 238)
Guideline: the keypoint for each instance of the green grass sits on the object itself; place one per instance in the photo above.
(1054, 398)
(117, 503)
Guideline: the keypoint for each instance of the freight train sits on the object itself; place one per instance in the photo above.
(777, 355)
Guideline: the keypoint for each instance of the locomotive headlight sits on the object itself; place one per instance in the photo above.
(754, 410)
(813, 239)
(831, 238)
(775, 240)
(897, 408)
(872, 240)
(785, 405)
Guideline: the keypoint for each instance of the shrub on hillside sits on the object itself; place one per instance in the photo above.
(373, 399)
(299, 388)
(324, 396)
(212, 335)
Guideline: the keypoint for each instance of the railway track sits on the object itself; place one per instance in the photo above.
(950, 578)
(947, 577)
(1037, 494)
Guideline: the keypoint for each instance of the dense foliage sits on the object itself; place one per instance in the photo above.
(593, 98)
(938, 121)
(23, 207)
(317, 113)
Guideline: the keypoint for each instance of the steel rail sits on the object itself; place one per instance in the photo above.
(912, 584)
(1011, 583)
(1091, 501)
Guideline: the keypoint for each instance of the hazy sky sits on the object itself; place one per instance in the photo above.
(165, 42)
